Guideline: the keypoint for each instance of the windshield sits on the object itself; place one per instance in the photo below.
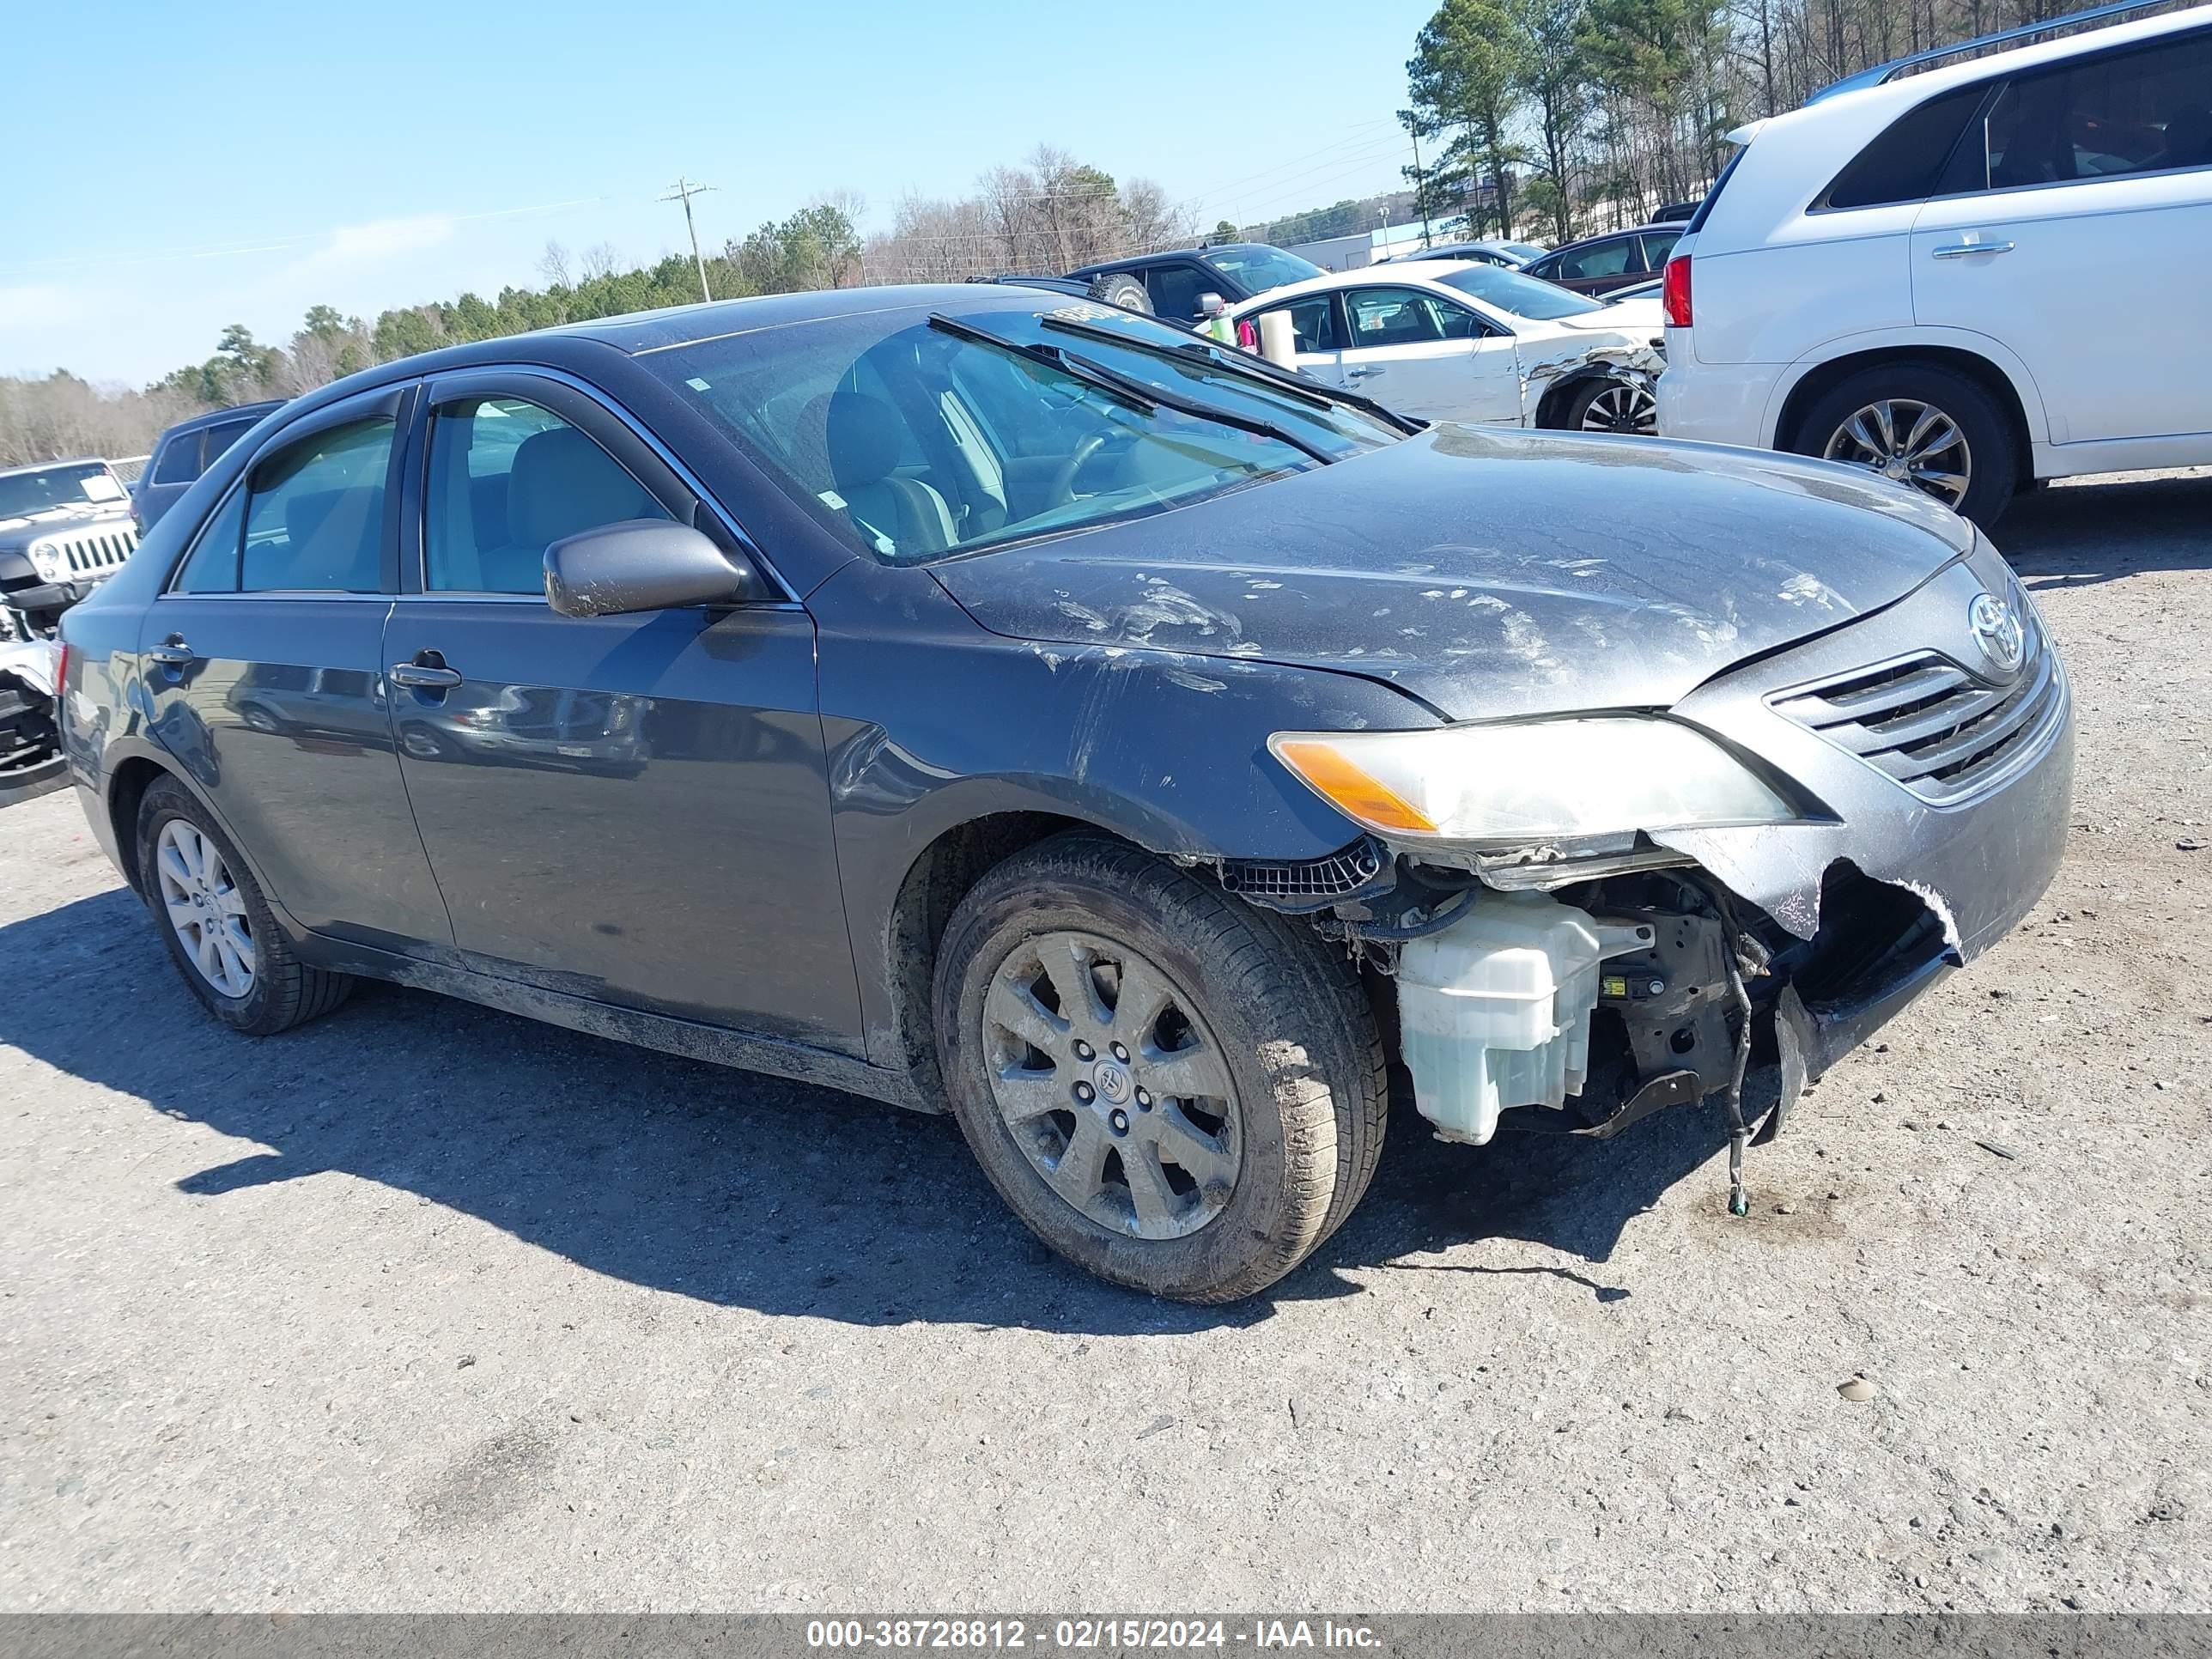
(80, 483)
(914, 442)
(1262, 268)
(1523, 250)
(1524, 296)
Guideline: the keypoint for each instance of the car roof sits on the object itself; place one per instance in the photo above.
(1609, 235)
(228, 412)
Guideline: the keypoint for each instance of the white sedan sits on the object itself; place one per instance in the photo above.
(1447, 340)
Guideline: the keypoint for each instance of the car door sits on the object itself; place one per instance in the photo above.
(631, 808)
(263, 667)
(2073, 229)
(1423, 355)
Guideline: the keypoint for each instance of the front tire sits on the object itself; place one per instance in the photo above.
(1919, 425)
(219, 929)
(1611, 405)
(1171, 1089)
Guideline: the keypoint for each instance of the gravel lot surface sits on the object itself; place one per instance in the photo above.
(426, 1307)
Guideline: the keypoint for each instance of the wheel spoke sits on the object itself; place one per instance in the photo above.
(1023, 1094)
(1143, 998)
(182, 916)
(1201, 1154)
(240, 943)
(232, 971)
(172, 863)
(231, 901)
(1075, 1176)
(1150, 1196)
(1929, 426)
(1010, 1007)
(205, 953)
(1067, 965)
(1192, 1072)
(1950, 485)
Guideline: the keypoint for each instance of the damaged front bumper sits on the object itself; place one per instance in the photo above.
(1939, 780)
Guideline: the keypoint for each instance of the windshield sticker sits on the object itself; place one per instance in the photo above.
(1081, 310)
(99, 487)
(696, 384)
(830, 498)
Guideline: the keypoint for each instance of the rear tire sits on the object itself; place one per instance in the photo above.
(197, 884)
(1875, 412)
(1267, 1034)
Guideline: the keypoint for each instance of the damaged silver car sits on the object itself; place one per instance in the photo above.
(1028, 710)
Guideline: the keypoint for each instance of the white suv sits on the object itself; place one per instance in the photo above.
(1984, 274)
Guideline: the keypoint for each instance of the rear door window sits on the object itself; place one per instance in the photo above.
(314, 519)
(1613, 258)
(1905, 159)
(1313, 320)
(179, 460)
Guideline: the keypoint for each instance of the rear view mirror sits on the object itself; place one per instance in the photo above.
(639, 564)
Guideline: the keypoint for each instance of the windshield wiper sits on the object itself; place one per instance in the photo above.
(1137, 394)
(1134, 393)
(1241, 363)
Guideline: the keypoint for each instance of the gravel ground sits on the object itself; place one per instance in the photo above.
(426, 1307)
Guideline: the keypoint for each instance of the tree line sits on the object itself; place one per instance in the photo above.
(1557, 118)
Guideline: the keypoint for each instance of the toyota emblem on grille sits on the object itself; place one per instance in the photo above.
(1996, 629)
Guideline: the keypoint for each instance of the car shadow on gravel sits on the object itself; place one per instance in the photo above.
(727, 1187)
(2072, 535)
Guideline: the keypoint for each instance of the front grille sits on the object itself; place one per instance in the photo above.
(94, 552)
(1943, 732)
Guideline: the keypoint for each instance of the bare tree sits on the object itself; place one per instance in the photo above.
(600, 260)
(553, 264)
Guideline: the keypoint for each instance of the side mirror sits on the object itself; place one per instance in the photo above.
(639, 564)
(1212, 305)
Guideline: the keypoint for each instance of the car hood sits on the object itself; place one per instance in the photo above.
(17, 533)
(1488, 571)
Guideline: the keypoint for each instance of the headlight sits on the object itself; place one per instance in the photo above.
(1522, 781)
(47, 559)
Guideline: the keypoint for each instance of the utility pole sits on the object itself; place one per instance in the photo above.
(684, 192)
(1420, 187)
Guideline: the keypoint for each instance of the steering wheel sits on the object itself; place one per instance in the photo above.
(1063, 481)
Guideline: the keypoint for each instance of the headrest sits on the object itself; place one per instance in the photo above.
(864, 439)
(562, 483)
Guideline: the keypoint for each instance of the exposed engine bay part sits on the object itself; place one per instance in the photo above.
(1494, 1010)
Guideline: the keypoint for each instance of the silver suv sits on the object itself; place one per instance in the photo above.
(64, 528)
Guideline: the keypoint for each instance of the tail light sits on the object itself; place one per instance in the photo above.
(61, 679)
(1674, 292)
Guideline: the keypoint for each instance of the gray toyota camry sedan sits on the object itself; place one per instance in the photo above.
(988, 700)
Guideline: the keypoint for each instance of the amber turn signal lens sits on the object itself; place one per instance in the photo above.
(1362, 796)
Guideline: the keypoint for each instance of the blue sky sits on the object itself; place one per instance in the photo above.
(238, 162)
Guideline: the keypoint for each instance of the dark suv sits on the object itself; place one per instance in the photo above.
(1176, 281)
(187, 449)
(1599, 265)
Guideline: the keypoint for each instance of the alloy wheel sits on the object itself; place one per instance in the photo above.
(205, 907)
(1622, 408)
(1910, 442)
(1110, 1083)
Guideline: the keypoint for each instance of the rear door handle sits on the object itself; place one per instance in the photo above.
(425, 678)
(1361, 371)
(171, 653)
(1961, 250)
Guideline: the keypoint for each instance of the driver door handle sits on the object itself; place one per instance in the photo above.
(1361, 371)
(426, 676)
(1961, 250)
